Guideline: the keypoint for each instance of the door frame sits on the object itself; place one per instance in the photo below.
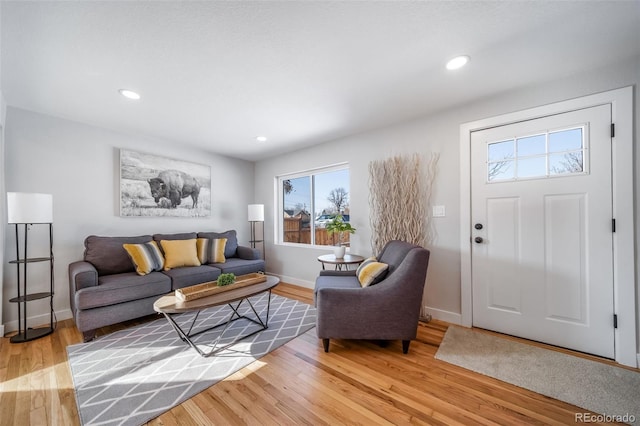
(624, 297)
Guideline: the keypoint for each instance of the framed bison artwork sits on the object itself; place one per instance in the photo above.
(151, 185)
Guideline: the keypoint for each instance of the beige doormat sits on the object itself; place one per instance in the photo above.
(605, 389)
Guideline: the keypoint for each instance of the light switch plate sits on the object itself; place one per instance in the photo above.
(438, 211)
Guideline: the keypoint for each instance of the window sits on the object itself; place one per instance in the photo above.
(309, 200)
(553, 153)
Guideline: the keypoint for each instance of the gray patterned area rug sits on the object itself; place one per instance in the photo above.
(611, 391)
(132, 376)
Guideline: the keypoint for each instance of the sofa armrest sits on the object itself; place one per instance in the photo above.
(82, 275)
(248, 253)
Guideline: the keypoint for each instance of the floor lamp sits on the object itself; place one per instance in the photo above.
(29, 209)
(255, 214)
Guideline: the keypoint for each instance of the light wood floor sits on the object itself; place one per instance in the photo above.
(358, 382)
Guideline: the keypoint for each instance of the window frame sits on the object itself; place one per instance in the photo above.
(279, 201)
(584, 150)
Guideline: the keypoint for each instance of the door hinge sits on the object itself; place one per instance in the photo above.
(613, 225)
(613, 130)
(615, 321)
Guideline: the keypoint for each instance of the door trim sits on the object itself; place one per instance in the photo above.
(621, 101)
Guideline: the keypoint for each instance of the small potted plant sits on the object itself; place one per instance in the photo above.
(226, 279)
(339, 226)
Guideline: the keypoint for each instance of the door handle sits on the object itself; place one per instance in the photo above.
(478, 240)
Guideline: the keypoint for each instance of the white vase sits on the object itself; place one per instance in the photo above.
(339, 252)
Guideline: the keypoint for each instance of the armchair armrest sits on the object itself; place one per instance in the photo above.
(81, 275)
(248, 253)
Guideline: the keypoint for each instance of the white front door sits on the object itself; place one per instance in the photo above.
(542, 245)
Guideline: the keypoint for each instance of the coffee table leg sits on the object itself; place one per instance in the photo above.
(186, 337)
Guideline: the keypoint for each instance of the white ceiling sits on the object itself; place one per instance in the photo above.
(217, 74)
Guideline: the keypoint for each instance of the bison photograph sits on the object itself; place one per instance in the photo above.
(151, 185)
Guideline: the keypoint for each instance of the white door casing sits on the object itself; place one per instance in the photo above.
(624, 298)
(542, 267)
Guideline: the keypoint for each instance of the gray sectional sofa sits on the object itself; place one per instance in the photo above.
(105, 289)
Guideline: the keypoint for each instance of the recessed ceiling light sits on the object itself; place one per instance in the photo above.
(261, 138)
(457, 62)
(129, 94)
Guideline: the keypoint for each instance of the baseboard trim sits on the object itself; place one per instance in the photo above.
(38, 320)
(2, 330)
(450, 317)
(294, 281)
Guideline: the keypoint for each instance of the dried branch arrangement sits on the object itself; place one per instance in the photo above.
(399, 196)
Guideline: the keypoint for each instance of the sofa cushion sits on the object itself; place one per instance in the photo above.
(108, 256)
(178, 253)
(180, 236)
(192, 275)
(232, 240)
(146, 257)
(240, 266)
(119, 288)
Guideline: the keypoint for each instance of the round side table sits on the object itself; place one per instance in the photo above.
(340, 264)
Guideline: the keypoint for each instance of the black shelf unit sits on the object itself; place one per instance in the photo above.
(253, 240)
(25, 333)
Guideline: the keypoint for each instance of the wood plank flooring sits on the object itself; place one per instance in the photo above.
(358, 382)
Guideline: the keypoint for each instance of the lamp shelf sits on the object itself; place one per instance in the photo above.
(31, 334)
(32, 260)
(23, 297)
(30, 297)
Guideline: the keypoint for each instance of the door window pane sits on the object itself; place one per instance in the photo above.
(532, 145)
(531, 167)
(569, 162)
(500, 150)
(565, 140)
(501, 170)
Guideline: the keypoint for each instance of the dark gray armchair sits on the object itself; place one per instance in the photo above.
(388, 310)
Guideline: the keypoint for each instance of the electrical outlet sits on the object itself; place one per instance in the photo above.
(438, 211)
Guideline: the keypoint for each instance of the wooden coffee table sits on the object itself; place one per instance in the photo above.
(169, 305)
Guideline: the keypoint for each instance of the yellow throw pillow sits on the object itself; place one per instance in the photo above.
(145, 257)
(179, 253)
(211, 250)
(371, 272)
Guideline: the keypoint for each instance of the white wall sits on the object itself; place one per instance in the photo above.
(436, 133)
(78, 164)
(3, 113)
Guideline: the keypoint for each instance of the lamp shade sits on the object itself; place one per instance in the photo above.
(256, 212)
(23, 207)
